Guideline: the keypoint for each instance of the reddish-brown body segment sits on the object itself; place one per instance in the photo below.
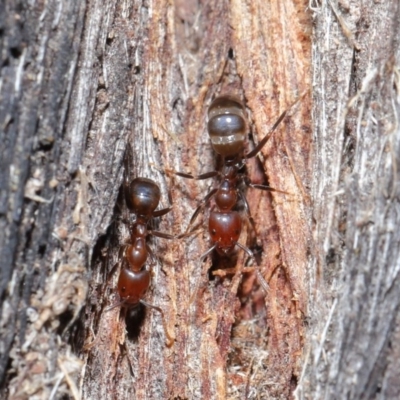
(142, 198)
(132, 285)
(225, 229)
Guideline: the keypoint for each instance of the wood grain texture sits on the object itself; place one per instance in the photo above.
(356, 112)
(39, 50)
(144, 74)
(273, 43)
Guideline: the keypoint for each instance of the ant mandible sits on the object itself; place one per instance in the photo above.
(142, 197)
(227, 128)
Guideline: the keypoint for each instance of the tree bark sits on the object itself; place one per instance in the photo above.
(352, 351)
(84, 81)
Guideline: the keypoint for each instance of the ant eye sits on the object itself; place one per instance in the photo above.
(213, 232)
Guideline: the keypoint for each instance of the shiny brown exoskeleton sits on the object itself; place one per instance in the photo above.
(142, 197)
(227, 128)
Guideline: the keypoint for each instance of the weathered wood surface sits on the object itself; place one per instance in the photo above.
(352, 349)
(81, 80)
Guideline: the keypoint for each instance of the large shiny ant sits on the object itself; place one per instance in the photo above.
(227, 128)
(142, 197)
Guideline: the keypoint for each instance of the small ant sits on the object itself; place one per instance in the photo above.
(142, 197)
(227, 128)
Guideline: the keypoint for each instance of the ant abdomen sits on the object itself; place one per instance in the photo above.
(227, 126)
(225, 229)
(132, 285)
(143, 196)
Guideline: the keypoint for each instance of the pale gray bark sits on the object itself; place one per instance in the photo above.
(352, 351)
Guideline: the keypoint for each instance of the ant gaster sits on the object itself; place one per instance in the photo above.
(227, 128)
(142, 197)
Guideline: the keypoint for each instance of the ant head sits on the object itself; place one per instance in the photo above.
(143, 196)
(132, 285)
(227, 126)
(225, 229)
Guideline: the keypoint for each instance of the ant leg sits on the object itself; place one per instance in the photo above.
(264, 140)
(260, 278)
(192, 232)
(248, 183)
(209, 251)
(149, 268)
(206, 199)
(200, 177)
(163, 211)
(110, 275)
(160, 213)
(152, 256)
(247, 209)
(161, 235)
(170, 338)
(201, 205)
(118, 302)
(204, 202)
(115, 305)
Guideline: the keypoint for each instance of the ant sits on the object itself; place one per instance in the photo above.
(227, 128)
(142, 197)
